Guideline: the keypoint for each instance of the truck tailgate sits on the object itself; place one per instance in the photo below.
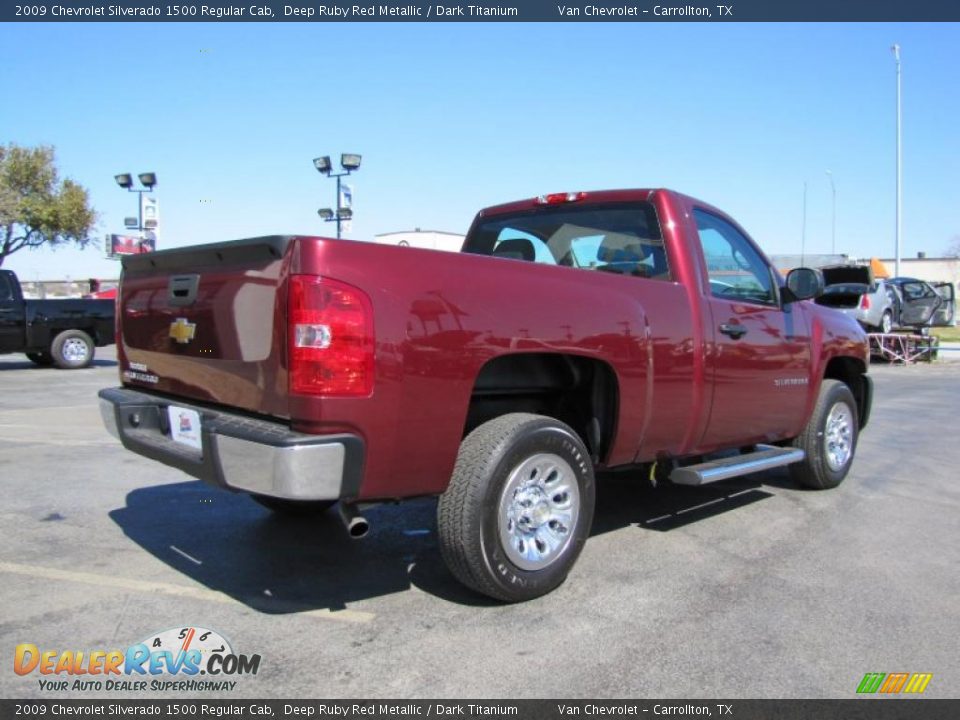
(207, 323)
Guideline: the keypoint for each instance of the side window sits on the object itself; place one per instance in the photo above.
(736, 270)
(6, 291)
(917, 291)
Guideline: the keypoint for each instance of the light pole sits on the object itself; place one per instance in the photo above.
(896, 55)
(833, 222)
(349, 162)
(149, 181)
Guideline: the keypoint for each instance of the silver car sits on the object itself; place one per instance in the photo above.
(852, 290)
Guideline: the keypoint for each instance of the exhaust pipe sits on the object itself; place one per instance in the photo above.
(356, 525)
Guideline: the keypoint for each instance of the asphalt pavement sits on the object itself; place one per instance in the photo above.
(751, 588)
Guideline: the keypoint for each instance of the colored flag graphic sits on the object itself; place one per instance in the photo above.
(894, 683)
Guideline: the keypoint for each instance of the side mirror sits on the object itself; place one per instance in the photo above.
(804, 284)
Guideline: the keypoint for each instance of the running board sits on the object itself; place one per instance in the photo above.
(763, 458)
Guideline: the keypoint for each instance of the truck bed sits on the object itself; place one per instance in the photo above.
(435, 326)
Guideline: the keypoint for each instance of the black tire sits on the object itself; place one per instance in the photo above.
(72, 349)
(43, 359)
(301, 508)
(824, 445)
(482, 539)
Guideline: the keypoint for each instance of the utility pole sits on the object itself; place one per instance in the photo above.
(833, 221)
(896, 272)
(803, 229)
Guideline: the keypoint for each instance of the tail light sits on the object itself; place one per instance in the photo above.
(330, 337)
(864, 302)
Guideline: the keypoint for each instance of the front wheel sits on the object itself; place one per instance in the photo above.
(519, 507)
(829, 439)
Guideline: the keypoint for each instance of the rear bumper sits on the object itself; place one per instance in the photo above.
(238, 452)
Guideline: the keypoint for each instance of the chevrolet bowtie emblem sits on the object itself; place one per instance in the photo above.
(182, 331)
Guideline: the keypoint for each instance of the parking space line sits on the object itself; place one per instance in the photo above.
(146, 586)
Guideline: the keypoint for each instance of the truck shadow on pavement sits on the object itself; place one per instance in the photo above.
(628, 499)
(29, 365)
(279, 565)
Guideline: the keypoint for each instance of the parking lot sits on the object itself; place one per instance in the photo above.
(749, 588)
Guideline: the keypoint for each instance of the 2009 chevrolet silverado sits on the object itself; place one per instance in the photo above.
(575, 332)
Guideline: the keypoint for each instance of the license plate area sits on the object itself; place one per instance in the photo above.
(185, 426)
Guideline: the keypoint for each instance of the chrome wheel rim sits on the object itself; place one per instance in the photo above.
(886, 323)
(75, 350)
(838, 444)
(538, 511)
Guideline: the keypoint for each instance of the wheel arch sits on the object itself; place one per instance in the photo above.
(852, 372)
(581, 391)
(43, 337)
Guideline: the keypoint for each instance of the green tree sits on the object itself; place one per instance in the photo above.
(37, 208)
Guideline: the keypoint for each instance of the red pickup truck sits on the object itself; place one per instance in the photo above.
(575, 332)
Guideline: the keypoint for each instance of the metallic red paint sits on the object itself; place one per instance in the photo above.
(440, 317)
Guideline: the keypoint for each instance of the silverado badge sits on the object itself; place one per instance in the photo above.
(182, 330)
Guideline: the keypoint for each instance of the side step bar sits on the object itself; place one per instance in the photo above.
(763, 458)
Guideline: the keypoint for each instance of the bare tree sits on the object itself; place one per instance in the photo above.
(953, 249)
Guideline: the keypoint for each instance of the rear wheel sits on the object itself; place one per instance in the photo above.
(72, 349)
(519, 507)
(282, 506)
(829, 439)
(886, 322)
(43, 359)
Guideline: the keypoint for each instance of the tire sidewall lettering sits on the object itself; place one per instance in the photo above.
(544, 439)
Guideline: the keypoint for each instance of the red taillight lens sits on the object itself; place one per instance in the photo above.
(330, 337)
(864, 302)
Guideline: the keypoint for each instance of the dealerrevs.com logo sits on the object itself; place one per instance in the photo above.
(172, 660)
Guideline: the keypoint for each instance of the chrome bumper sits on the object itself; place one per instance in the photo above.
(238, 452)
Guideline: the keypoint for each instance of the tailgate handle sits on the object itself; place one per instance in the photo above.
(182, 290)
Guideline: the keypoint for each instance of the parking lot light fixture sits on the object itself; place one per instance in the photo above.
(349, 162)
(148, 180)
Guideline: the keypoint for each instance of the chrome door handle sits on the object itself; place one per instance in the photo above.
(734, 330)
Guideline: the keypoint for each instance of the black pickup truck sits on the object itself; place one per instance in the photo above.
(64, 333)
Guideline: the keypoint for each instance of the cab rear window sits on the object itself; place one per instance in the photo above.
(6, 288)
(621, 238)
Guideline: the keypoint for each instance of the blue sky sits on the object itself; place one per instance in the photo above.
(452, 117)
